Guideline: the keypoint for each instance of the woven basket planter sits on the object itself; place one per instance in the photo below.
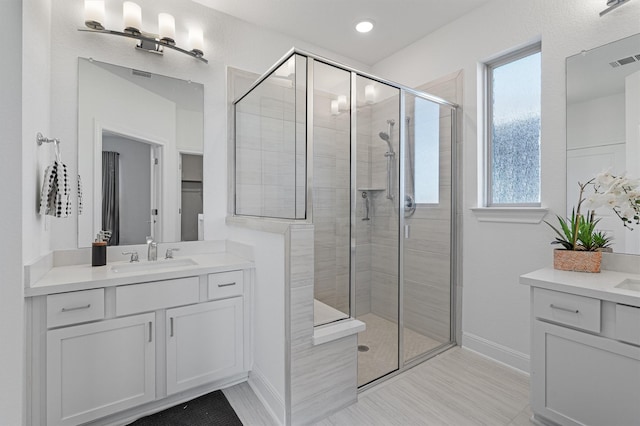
(578, 261)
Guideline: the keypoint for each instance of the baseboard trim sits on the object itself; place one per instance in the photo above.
(267, 394)
(514, 359)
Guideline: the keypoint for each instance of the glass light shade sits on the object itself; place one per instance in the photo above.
(196, 40)
(369, 93)
(94, 14)
(342, 101)
(335, 109)
(132, 15)
(167, 27)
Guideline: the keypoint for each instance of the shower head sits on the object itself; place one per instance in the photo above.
(385, 137)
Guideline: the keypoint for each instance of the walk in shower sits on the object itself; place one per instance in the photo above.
(370, 164)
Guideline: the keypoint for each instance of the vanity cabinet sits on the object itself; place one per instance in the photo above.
(100, 368)
(585, 369)
(204, 343)
(111, 354)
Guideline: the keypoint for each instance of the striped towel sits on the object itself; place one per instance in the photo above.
(55, 197)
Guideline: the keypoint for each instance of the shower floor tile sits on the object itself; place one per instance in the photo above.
(381, 337)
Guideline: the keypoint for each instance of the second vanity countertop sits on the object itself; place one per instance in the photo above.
(62, 279)
(599, 286)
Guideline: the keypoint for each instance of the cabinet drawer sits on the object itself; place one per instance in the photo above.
(628, 324)
(225, 284)
(569, 309)
(75, 307)
(154, 295)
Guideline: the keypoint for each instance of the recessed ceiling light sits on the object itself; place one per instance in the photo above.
(364, 26)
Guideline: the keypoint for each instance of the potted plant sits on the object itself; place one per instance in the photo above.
(582, 245)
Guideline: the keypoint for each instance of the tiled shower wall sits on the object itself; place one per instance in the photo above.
(384, 233)
(270, 178)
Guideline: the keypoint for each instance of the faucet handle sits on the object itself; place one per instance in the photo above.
(169, 253)
(134, 256)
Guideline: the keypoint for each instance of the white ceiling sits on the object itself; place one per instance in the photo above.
(330, 23)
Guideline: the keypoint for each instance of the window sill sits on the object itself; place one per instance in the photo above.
(531, 215)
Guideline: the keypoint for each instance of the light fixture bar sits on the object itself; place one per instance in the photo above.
(613, 4)
(145, 40)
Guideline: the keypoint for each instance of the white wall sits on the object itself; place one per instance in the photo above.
(11, 295)
(495, 314)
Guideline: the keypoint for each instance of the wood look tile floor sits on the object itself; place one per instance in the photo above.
(457, 387)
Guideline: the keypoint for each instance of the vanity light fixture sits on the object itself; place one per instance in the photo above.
(613, 4)
(132, 16)
(364, 26)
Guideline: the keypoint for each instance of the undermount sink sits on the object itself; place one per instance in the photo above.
(153, 266)
(629, 284)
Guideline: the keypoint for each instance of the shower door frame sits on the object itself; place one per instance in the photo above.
(454, 267)
(454, 264)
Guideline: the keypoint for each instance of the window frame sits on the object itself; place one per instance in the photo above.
(488, 119)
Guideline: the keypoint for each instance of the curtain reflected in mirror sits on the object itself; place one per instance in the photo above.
(111, 195)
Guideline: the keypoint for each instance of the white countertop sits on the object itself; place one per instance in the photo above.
(61, 279)
(600, 285)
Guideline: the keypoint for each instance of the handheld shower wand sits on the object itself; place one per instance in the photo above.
(390, 155)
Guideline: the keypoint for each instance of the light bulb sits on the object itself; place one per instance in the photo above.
(364, 26)
(94, 14)
(335, 109)
(196, 41)
(167, 28)
(369, 93)
(132, 15)
(342, 101)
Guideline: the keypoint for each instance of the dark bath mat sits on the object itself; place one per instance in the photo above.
(210, 409)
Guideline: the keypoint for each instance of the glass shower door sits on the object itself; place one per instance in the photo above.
(427, 227)
(375, 226)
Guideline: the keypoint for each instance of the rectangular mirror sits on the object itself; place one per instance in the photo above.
(603, 125)
(140, 153)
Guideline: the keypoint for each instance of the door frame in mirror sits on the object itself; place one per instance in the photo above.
(90, 224)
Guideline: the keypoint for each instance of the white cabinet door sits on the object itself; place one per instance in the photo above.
(98, 369)
(204, 343)
(582, 379)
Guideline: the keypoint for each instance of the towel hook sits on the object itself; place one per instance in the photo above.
(41, 139)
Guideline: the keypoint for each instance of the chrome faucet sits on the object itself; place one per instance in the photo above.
(152, 250)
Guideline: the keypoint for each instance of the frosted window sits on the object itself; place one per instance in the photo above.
(427, 149)
(514, 131)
